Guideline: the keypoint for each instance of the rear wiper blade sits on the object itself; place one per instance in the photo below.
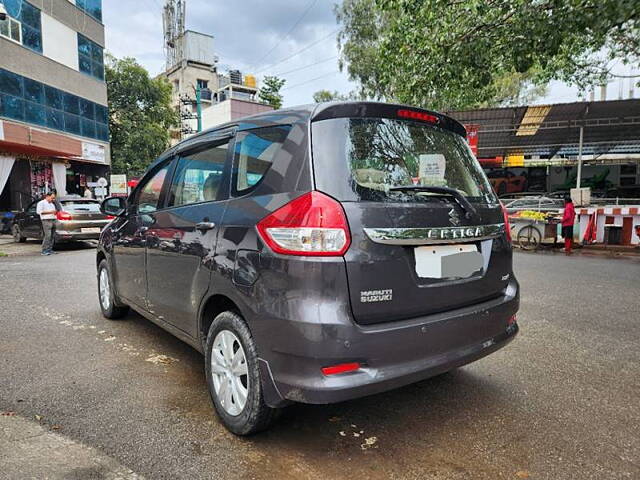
(469, 209)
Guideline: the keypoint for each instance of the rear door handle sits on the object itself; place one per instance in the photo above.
(204, 226)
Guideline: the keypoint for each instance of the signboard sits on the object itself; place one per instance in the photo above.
(94, 152)
(101, 192)
(118, 184)
(472, 138)
(515, 160)
(102, 182)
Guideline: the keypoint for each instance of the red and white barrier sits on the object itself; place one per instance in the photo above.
(626, 218)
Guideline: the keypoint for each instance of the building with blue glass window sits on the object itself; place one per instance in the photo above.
(54, 128)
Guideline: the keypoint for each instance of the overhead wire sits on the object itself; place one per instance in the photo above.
(312, 80)
(304, 49)
(306, 66)
(283, 37)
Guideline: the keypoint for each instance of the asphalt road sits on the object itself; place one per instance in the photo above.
(560, 402)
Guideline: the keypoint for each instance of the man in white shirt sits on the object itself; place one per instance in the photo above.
(46, 208)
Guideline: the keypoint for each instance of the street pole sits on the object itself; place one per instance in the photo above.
(580, 157)
(199, 108)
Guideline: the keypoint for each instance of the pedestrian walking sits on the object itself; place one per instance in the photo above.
(568, 218)
(47, 210)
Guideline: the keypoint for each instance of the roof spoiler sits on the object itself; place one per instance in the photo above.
(386, 110)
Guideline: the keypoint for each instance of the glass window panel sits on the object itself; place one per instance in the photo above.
(102, 114)
(199, 176)
(13, 7)
(53, 97)
(35, 113)
(94, 8)
(11, 107)
(33, 91)
(88, 128)
(15, 31)
(102, 132)
(86, 109)
(55, 119)
(71, 103)
(96, 53)
(254, 154)
(85, 64)
(98, 71)
(4, 27)
(149, 196)
(31, 38)
(30, 15)
(72, 123)
(10, 83)
(84, 46)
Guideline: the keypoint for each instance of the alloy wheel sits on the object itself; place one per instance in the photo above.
(229, 372)
(105, 289)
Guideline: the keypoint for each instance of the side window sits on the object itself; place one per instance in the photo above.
(254, 153)
(149, 195)
(198, 176)
(32, 207)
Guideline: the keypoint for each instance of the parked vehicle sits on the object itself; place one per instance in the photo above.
(537, 203)
(76, 219)
(504, 181)
(315, 254)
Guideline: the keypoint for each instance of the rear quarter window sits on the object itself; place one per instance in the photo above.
(254, 153)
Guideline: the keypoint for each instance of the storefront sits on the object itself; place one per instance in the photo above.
(34, 161)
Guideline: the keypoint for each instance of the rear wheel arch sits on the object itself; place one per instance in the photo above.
(211, 308)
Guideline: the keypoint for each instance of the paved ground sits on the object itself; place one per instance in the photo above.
(560, 402)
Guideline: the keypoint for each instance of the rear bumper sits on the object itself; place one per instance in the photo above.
(392, 354)
(70, 236)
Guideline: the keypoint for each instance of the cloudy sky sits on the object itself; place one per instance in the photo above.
(254, 36)
(294, 40)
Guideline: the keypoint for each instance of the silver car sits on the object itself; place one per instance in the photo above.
(77, 218)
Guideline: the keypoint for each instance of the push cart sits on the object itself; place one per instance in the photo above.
(529, 233)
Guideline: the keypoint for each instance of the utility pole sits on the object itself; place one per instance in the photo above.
(580, 157)
(199, 108)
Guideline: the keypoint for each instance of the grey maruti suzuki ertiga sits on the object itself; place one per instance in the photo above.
(315, 254)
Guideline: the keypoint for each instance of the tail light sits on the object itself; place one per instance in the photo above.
(313, 224)
(110, 217)
(507, 225)
(62, 215)
(341, 368)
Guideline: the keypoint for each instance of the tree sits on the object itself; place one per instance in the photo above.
(140, 115)
(269, 93)
(461, 54)
(329, 96)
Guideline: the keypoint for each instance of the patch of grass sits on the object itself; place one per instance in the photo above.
(2, 254)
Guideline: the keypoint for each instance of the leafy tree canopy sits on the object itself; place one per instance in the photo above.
(330, 96)
(466, 53)
(269, 93)
(141, 115)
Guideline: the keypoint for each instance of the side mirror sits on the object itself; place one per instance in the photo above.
(114, 206)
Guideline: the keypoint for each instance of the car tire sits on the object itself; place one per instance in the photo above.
(17, 234)
(254, 415)
(110, 305)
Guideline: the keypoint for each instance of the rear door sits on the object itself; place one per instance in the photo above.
(181, 241)
(412, 252)
(31, 224)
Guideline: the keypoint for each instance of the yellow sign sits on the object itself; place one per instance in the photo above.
(515, 160)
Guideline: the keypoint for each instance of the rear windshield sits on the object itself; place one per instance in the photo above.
(363, 158)
(81, 206)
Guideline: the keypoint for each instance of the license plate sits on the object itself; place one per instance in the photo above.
(448, 261)
(90, 230)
